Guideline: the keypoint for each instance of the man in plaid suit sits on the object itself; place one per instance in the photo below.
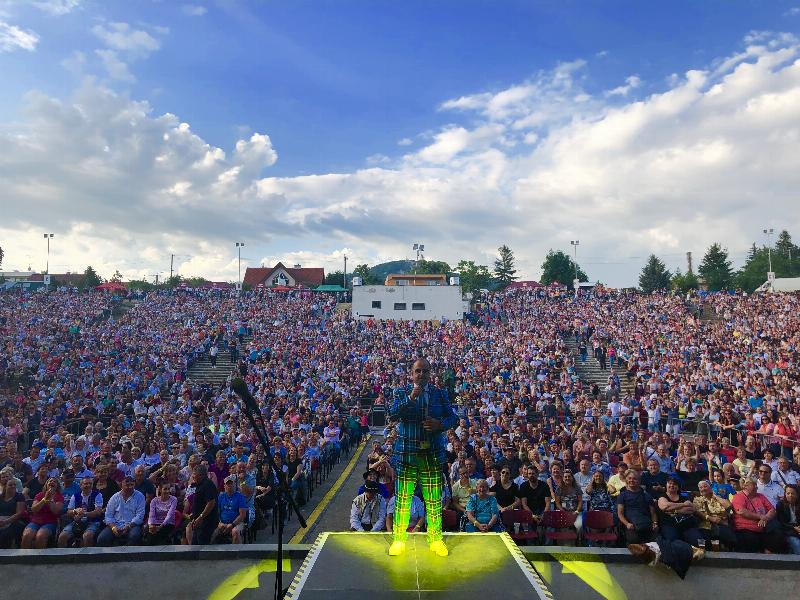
(425, 414)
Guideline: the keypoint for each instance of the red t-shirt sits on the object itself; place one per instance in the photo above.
(45, 516)
(758, 504)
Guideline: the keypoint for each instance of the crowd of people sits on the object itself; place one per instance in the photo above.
(107, 440)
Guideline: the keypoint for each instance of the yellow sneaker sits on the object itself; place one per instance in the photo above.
(439, 548)
(397, 548)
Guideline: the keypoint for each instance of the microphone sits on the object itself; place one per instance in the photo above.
(239, 388)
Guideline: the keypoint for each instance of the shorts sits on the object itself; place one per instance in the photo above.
(49, 526)
(79, 529)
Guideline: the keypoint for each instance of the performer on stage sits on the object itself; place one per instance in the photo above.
(419, 453)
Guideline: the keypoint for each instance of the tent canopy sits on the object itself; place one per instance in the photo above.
(111, 286)
(330, 288)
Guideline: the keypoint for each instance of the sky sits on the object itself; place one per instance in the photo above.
(312, 130)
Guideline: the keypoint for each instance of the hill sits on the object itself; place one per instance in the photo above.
(393, 266)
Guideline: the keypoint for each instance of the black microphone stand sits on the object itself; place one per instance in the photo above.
(283, 491)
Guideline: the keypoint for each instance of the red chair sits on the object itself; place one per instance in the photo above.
(450, 520)
(526, 520)
(559, 525)
(599, 527)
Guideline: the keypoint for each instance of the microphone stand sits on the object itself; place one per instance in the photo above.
(282, 492)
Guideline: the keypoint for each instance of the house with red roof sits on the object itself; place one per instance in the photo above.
(281, 275)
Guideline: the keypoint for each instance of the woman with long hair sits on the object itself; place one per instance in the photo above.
(789, 517)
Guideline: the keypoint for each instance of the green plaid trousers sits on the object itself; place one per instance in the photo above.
(422, 467)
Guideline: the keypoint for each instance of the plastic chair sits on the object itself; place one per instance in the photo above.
(599, 527)
(523, 517)
(559, 525)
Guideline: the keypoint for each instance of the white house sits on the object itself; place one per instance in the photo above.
(408, 302)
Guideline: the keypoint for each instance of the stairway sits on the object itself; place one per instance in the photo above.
(202, 371)
(590, 371)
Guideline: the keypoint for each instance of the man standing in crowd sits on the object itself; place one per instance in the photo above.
(425, 413)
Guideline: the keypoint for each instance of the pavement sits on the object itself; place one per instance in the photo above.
(329, 508)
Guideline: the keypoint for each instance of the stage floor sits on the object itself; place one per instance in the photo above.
(348, 565)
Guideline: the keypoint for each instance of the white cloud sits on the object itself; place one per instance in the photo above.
(57, 7)
(194, 10)
(13, 38)
(631, 83)
(405, 142)
(710, 157)
(793, 12)
(121, 36)
(115, 68)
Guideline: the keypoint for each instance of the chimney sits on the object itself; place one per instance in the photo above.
(688, 262)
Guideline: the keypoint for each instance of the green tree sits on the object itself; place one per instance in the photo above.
(684, 283)
(558, 266)
(716, 268)
(90, 278)
(334, 278)
(116, 277)
(173, 282)
(432, 267)
(140, 284)
(654, 276)
(2, 254)
(473, 277)
(786, 250)
(504, 269)
(194, 282)
(754, 272)
(366, 275)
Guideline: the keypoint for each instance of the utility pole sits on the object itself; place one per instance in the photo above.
(688, 262)
(344, 283)
(156, 281)
(48, 237)
(769, 233)
(239, 246)
(171, 261)
(576, 283)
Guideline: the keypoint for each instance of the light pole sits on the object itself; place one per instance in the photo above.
(769, 233)
(419, 249)
(48, 237)
(575, 244)
(239, 246)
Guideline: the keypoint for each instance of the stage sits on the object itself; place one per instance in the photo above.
(347, 565)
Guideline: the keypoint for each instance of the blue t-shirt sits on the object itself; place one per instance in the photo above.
(229, 506)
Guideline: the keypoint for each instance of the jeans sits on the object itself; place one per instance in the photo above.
(794, 543)
(132, 538)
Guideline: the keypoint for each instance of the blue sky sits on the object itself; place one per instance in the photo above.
(342, 88)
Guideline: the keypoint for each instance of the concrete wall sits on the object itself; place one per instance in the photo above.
(441, 301)
(244, 572)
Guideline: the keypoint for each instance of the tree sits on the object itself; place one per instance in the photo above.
(2, 254)
(194, 282)
(173, 282)
(335, 278)
(473, 277)
(558, 266)
(785, 249)
(432, 267)
(684, 283)
(116, 277)
(716, 268)
(90, 278)
(504, 269)
(367, 278)
(654, 276)
(140, 284)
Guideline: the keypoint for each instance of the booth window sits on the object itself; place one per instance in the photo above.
(418, 306)
(399, 305)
